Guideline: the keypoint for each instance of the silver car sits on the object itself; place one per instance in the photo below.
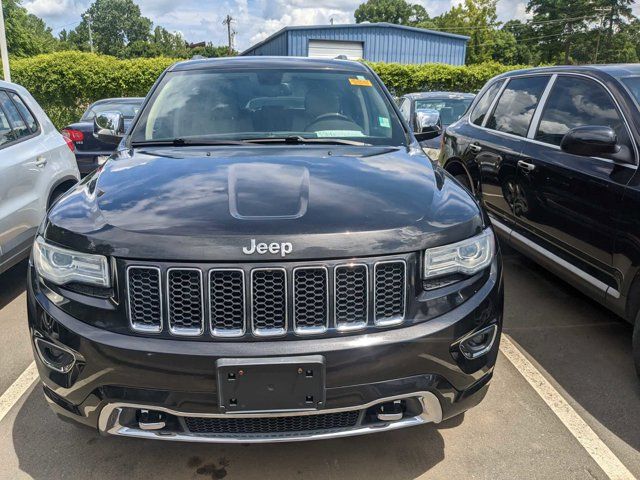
(37, 165)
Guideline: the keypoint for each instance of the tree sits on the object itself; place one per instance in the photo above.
(557, 23)
(479, 20)
(115, 24)
(391, 11)
(26, 34)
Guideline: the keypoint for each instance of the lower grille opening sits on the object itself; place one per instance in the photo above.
(271, 425)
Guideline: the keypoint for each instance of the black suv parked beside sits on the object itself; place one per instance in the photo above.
(552, 153)
(268, 256)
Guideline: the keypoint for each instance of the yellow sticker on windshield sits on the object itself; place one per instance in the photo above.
(360, 82)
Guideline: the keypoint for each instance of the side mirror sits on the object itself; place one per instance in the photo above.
(109, 127)
(427, 124)
(592, 140)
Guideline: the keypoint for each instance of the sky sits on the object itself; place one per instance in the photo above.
(201, 20)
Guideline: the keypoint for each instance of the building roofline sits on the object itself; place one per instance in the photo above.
(354, 25)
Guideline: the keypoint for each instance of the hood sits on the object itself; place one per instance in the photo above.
(198, 204)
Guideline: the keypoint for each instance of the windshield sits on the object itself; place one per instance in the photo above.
(127, 109)
(451, 109)
(251, 104)
(633, 84)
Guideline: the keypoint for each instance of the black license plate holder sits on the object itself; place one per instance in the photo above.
(271, 384)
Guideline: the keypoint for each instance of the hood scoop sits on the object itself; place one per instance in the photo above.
(268, 191)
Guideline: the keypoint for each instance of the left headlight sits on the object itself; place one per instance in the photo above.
(468, 256)
(61, 266)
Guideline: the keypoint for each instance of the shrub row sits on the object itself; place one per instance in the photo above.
(401, 79)
(64, 83)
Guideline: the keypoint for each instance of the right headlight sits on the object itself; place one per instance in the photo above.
(62, 266)
(468, 256)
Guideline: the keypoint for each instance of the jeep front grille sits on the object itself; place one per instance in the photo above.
(267, 301)
(351, 297)
(145, 302)
(185, 297)
(227, 305)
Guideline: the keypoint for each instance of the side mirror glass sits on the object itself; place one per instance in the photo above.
(592, 140)
(427, 124)
(109, 127)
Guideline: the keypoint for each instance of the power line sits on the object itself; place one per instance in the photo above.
(540, 22)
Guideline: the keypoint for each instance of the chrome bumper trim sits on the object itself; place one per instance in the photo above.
(109, 423)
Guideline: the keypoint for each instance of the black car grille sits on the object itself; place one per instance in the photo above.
(266, 301)
(311, 299)
(389, 300)
(272, 425)
(184, 293)
(227, 303)
(145, 303)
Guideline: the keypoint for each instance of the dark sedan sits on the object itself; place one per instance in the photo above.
(450, 106)
(91, 152)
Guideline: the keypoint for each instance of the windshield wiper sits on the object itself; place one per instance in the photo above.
(182, 142)
(298, 139)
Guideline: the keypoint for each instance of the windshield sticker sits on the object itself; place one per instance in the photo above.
(339, 133)
(360, 82)
(384, 122)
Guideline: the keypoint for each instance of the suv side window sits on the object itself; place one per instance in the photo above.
(515, 107)
(483, 105)
(20, 128)
(24, 111)
(577, 101)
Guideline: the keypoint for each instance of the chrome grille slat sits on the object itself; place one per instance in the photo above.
(144, 294)
(185, 297)
(269, 307)
(351, 296)
(389, 292)
(310, 300)
(227, 304)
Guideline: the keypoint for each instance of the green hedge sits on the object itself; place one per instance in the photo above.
(403, 79)
(64, 83)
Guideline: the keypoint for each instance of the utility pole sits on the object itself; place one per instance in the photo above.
(603, 11)
(228, 20)
(89, 20)
(3, 47)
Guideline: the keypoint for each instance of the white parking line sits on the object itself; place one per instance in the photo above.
(604, 457)
(18, 388)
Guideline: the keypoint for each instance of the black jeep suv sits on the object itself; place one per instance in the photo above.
(268, 256)
(552, 153)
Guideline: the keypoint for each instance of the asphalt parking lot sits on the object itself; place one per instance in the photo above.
(581, 350)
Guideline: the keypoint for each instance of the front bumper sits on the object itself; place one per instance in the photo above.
(117, 376)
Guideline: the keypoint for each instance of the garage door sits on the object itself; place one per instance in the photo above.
(331, 49)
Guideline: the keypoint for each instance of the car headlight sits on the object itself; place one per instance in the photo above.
(468, 256)
(61, 266)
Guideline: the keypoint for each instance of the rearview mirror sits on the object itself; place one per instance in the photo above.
(592, 140)
(109, 127)
(427, 124)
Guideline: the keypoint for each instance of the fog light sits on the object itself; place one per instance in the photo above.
(478, 343)
(55, 357)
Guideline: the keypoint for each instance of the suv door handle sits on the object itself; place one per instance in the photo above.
(475, 148)
(529, 167)
(41, 161)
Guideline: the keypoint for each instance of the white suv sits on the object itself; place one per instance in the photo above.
(37, 165)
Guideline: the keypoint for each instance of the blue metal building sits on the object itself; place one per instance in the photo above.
(376, 42)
